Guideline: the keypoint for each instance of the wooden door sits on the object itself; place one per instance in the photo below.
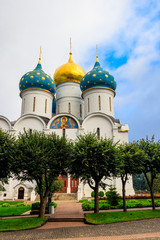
(74, 185)
(21, 193)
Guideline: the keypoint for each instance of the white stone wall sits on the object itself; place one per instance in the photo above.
(69, 92)
(39, 98)
(106, 104)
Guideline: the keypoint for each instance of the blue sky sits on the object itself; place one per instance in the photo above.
(128, 36)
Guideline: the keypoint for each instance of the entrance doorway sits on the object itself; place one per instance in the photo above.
(21, 193)
(65, 183)
(74, 185)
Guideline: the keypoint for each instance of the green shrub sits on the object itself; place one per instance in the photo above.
(36, 206)
(87, 206)
(101, 194)
(20, 204)
(112, 196)
(92, 194)
(6, 205)
(105, 206)
(53, 204)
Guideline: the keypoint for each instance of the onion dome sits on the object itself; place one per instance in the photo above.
(98, 78)
(37, 79)
(69, 72)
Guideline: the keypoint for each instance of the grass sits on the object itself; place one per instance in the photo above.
(13, 211)
(111, 217)
(20, 223)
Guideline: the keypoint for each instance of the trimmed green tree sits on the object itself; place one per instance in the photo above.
(6, 154)
(151, 164)
(93, 161)
(129, 161)
(41, 157)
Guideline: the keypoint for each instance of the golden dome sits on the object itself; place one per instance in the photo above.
(68, 72)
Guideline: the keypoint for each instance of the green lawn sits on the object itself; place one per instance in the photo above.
(13, 210)
(110, 217)
(20, 223)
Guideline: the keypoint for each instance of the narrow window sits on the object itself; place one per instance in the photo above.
(69, 107)
(75, 183)
(72, 183)
(46, 106)
(99, 102)
(88, 106)
(110, 107)
(34, 103)
(98, 133)
(58, 108)
(80, 110)
(23, 108)
(63, 132)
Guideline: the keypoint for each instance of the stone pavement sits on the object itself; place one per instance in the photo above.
(142, 229)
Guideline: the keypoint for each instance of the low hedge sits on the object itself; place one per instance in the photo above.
(36, 207)
(131, 203)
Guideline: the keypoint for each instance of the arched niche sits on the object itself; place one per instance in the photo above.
(5, 123)
(29, 122)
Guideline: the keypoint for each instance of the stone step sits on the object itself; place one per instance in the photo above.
(64, 196)
(65, 219)
(61, 197)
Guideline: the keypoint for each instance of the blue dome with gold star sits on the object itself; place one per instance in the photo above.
(37, 79)
(98, 78)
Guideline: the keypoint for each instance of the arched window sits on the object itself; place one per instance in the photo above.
(23, 107)
(69, 107)
(80, 110)
(34, 104)
(110, 106)
(99, 102)
(46, 106)
(63, 132)
(98, 133)
(88, 105)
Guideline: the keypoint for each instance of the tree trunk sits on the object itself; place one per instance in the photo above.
(124, 195)
(42, 206)
(152, 197)
(150, 184)
(96, 202)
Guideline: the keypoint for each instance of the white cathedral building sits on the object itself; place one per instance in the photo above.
(72, 103)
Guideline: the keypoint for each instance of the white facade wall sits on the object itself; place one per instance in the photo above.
(120, 133)
(38, 102)
(69, 93)
(98, 100)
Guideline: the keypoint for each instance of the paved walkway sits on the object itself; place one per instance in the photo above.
(67, 211)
